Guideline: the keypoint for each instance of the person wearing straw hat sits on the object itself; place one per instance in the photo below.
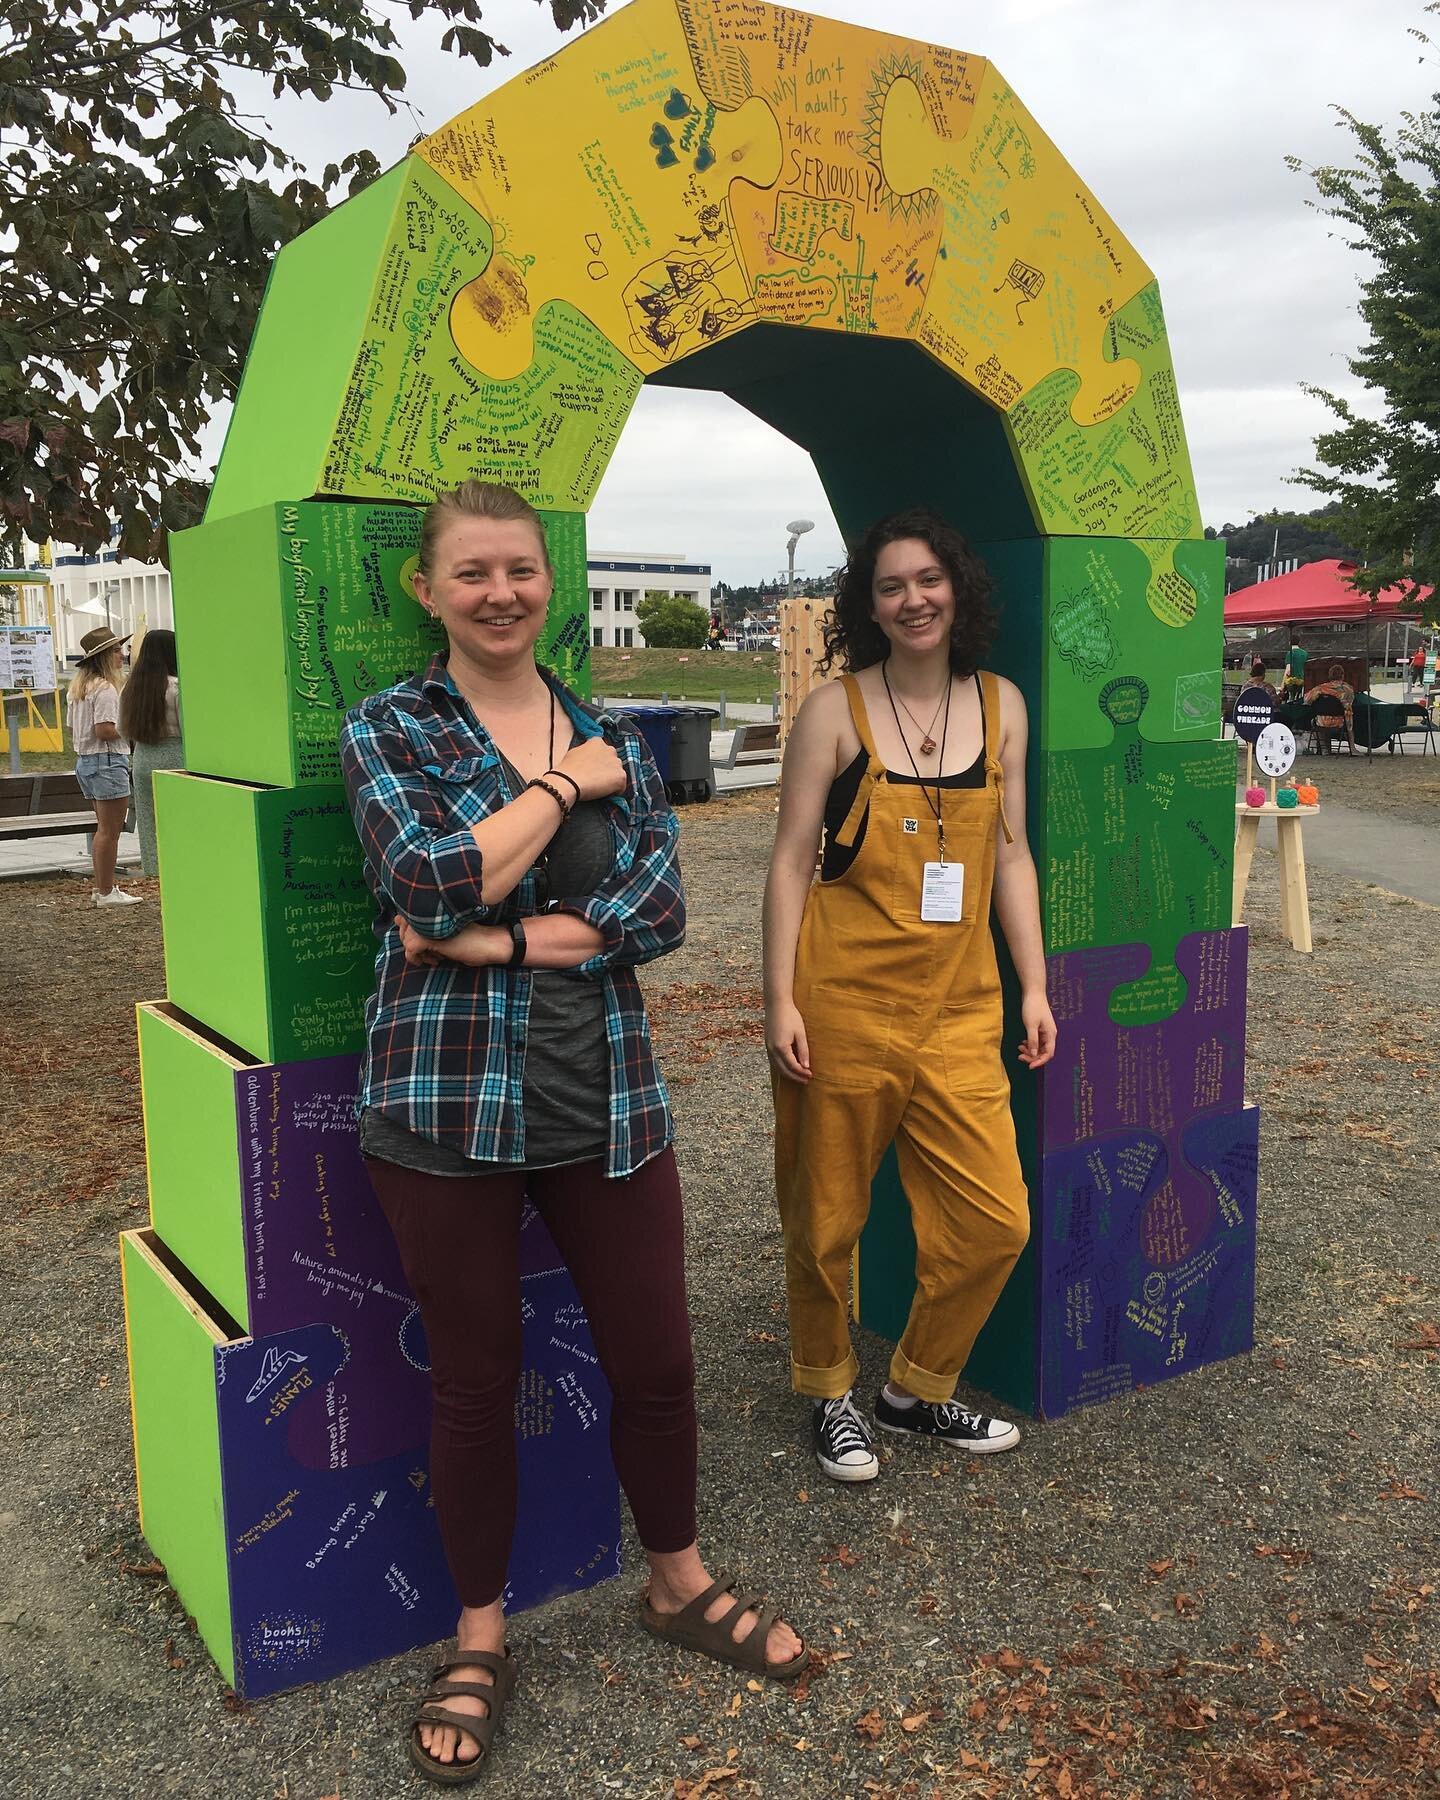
(102, 760)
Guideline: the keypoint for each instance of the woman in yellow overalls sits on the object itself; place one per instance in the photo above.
(882, 997)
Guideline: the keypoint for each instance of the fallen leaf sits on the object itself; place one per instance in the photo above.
(172, 1661)
(803, 1497)
(913, 1721)
(1266, 1648)
(1429, 1338)
(1161, 1568)
(690, 1743)
(845, 1556)
(1186, 1603)
(1007, 1659)
(870, 1725)
(1397, 1490)
(150, 1568)
(755, 1687)
(732, 1711)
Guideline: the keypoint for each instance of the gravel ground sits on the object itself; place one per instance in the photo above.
(1226, 1585)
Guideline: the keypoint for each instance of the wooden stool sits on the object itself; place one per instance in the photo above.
(1294, 894)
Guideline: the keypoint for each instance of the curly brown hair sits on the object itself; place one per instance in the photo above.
(851, 634)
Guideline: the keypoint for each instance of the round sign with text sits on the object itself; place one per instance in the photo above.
(1275, 750)
(1254, 709)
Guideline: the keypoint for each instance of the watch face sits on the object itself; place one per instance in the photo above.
(1275, 750)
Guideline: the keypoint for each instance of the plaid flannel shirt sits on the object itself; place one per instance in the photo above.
(445, 1050)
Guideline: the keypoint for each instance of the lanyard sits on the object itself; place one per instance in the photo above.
(937, 805)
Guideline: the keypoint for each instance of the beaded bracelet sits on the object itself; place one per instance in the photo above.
(571, 779)
(553, 792)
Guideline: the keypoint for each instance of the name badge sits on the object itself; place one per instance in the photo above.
(942, 893)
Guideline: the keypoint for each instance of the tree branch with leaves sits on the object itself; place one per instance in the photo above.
(140, 210)
(1381, 475)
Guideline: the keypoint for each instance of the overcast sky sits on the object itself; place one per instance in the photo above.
(1177, 113)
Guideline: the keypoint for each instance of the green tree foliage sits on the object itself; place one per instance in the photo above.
(140, 207)
(670, 623)
(1381, 475)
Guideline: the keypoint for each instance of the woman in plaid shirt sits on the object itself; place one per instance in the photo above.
(523, 859)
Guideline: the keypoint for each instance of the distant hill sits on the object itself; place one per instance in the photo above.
(1303, 537)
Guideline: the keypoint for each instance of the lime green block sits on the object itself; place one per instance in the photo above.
(267, 916)
(172, 1341)
(1129, 474)
(192, 1157)
(1150, 609)
(354, 387)
(328, 617)
(312, 319)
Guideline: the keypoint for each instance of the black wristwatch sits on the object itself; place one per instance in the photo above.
(517, 937)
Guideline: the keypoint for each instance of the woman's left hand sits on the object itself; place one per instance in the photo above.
(477, 946)
(1039, 1023)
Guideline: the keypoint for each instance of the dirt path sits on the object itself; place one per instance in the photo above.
(1223, 1586)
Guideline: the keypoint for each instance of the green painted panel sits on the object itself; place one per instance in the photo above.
(565, 643)
(323, 590)
(210, 893)
(319, 946)
(192, 1154)
(1151, 609)
(1138, 847)
(1129, 475)
(303, 352)
(171, 1342)
(267, 916)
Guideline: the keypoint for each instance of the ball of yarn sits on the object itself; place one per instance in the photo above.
(1287, 798)
(1309, 794)
(1254, 796)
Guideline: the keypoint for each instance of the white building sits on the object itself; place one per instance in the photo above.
(105, 589)
(619, 583)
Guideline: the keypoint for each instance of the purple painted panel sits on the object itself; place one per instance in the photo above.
(1147, 1228)
(1108, 1077)
(334, 1556)
(317, 1246)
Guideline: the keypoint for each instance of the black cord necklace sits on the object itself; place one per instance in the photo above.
(937, 805)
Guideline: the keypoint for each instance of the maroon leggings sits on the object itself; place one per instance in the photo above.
(623, 1240)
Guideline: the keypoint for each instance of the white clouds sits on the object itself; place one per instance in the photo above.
(1179, 114)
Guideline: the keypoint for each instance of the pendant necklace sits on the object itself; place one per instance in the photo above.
(927, 738)
(937, 805)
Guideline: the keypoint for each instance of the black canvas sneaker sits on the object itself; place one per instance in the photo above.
(948, 1423)
(844, 1444)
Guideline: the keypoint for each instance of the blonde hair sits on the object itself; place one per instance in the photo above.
(476, 500)
(97, 672)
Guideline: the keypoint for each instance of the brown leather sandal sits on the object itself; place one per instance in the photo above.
(712, 1637)
(480, 1727)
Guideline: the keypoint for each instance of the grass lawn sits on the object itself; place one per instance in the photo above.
(702, 675)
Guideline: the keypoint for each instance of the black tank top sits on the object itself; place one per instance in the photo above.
(835, 858)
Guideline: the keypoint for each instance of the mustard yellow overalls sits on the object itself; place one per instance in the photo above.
(903, 1020)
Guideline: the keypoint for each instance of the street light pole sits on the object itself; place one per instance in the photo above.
(797, 529)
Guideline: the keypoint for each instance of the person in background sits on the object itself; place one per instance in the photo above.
(150, 720)
(1417, 670)
(1339, 689)
(102, 762)
(1295, 662)
(1257, 678)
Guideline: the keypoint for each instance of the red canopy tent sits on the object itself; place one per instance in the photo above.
(1317, 591)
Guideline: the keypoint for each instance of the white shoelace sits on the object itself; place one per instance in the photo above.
(846, 1429)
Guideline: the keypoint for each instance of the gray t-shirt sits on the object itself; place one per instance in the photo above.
(565, 1090)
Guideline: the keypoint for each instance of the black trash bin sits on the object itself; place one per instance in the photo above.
(656, 725)
(692, 773)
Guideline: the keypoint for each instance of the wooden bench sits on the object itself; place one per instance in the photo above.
(43, 805)
(753, 744)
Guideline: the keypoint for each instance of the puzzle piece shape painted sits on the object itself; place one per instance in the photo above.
(1135, 840)
(1147, 1262)
(1112, 1075)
